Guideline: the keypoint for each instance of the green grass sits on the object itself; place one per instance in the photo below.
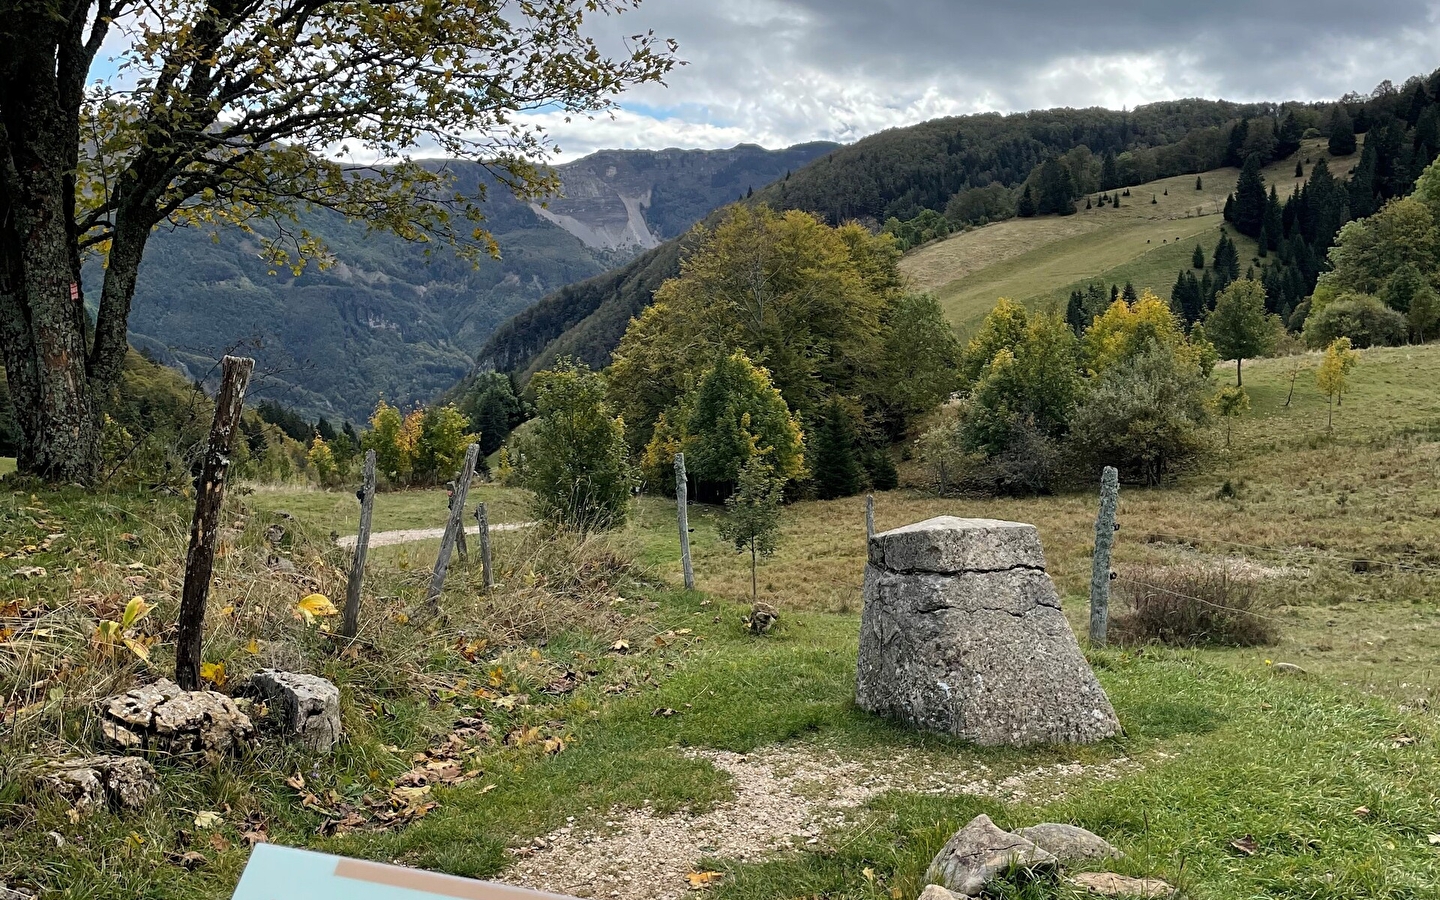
(7, 465)
(1039, 261)
(422, 508)
(1217, 744)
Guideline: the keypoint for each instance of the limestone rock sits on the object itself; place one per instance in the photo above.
(161, 716)
(9, 893)
(947, 544)
(935, 892)
(99, 782)
(306, 706)
(1068, 843)
(979, 853)
(762, 618)
(962, 634)
(1108, 884)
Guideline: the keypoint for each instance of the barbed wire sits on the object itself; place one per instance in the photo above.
(1121, 579)
(1301, 552)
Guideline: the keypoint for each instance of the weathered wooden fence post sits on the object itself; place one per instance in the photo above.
(681, 493)
(455, 524)
(460, 544)
(482, 518)
(869, 516)
(1100, 562)
(350, 626)
(200, 559)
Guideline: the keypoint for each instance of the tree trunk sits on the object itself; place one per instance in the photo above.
(200, 560)
(1237, 372)
(754, 590)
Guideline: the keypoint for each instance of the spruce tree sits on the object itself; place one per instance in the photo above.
(1299, 169)
(1235, 146)
(1273, 225)
(1026, 208)
(1109, 172)
(1114, 292)
(1154, 199)
(1117, 201)
(1342, 133)
(1248, 213)
(1199, 183)
(1198, 258)
(1129, 293)
(1088, 204)
(836, 457)
(1075, 312)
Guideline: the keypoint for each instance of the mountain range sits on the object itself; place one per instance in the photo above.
(388, 320)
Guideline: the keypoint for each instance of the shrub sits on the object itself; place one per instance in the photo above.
(1360, 317)
(1189, 606)
(1146, 416)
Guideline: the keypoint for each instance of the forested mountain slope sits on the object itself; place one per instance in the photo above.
(388, 320)
(942, 165)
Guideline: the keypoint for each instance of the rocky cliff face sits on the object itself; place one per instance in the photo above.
(627, 201)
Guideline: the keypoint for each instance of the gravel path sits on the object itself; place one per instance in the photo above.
(409, 535)
(785, 798)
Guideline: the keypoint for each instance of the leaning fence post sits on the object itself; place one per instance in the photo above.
(460, 544)
(680, 495)
(869, 516)
(453, 525)
(200, 559)
(482, 518)
(1100, 562)
(350, 626)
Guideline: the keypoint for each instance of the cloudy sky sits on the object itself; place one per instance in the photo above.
(779, 72)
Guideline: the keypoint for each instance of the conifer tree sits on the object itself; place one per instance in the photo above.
(1088, 204)
(836, 454)
(1248, 213)
(1129, 293)
(1342, 133)
(1117, 201)
(1026, 208)
(1273, 224)
(1199, 183)
(1198, 258)
(1109, 172)
(1299, 169)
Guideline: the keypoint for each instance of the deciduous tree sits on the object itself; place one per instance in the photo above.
(1238, 326)
(240, 113)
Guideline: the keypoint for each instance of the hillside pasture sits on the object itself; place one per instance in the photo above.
(1038, 261)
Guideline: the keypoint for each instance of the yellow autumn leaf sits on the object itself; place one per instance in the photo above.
(704, 879)
(313, 605)
(206, 818)
(253, 648)
(135, 610)
(213, 673)
(139, 649)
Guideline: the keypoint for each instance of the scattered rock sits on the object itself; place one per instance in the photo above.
(274, 533)
(935, 892)
(100, 782)
(161, 716)
(9, 893)
(306, 706)
(1068, 843)
(762, 618)
(1108, 884)
(962, 634)
(281, 564)
(979, 853)
(284, 514)
(1288, 669)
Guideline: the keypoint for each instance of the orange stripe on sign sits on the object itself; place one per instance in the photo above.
(433, 882)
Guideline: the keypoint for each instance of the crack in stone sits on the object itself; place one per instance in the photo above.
(1020, 567)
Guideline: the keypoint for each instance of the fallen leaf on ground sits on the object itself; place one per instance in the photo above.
(703, 879)
(296, 781)
(314, 605)
(1362, 811)
(206, 818)
(1246, 845)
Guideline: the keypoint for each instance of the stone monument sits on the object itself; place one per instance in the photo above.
(962, 634)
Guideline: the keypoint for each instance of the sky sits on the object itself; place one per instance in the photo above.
(781, 72)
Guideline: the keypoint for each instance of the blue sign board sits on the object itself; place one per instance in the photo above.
(284, 873)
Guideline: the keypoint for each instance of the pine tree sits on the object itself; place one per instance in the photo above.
(1117, 201)
(1299, 169)
(1199, 183)
(1088, 204)
(1075, 312)
(1129, 293)
(836, 456)
(1114, 292)
(1026, 207)
(1198, 258)
(1154, 199)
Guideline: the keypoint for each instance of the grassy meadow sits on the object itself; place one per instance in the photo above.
(1333, 773)
(1040, 261)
